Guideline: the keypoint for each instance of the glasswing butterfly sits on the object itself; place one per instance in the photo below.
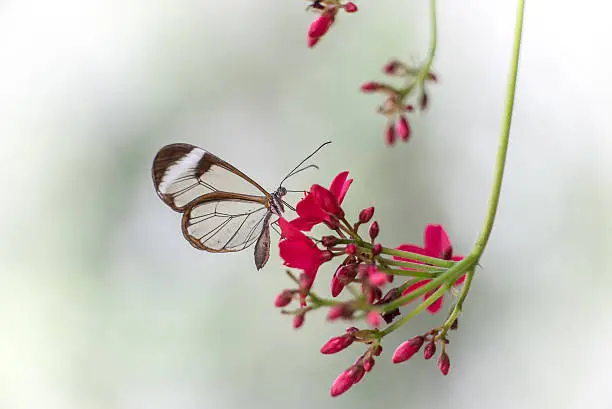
(223, 209)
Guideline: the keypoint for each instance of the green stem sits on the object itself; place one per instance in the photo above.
(407, 264)
(424, 72)
(407, 273)
(446, 279)
(458, 307)
(502, 150)
(399, 253)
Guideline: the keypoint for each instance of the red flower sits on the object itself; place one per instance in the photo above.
(437, 244)
(322, 205)
(299, 251)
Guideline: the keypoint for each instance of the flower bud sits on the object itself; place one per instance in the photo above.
(407, 349)
(377, 249)
(336, 285)
(366, 215)
(342, 383)
(390, 134)
(444, 363)
(298, 321)
(376, 278)
(337, 344)
(430, 350)
(374, 230)
(403, 128)
(350, 7)
(371, 86)
(329, 241)
(392, 67)
(283, 299)
(373, 319)
(423, 101)
(351, 249)
(368, 364)
(357, 373)
(319, 27)
(455, 324)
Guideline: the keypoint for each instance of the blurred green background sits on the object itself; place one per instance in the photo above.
(103, 304)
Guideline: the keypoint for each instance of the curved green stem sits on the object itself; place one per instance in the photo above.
(502, 150)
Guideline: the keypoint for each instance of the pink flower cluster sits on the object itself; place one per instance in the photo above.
(360, 263)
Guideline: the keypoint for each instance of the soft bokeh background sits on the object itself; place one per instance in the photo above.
(104, 305)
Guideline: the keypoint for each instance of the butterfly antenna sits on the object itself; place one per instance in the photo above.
(289, 206)
(302, 162)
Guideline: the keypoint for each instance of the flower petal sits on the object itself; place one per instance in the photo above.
(413, 287)
(460, 280)
(290, 232)
(340, 186)
(437, 242)
(437, 305)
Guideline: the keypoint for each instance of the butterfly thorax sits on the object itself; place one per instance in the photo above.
(276, 205)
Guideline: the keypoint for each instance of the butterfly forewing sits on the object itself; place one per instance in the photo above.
(231, 223)
(184, 173)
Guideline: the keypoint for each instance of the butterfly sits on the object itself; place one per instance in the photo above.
(223, 209)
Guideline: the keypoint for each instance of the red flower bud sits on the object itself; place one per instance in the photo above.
(408, 108)
(336, 285)
(350, 7)
(312, 41)
(373, 319)
(337, 344)
(374, 230)
(430, 350)
(407, 349)
(403, 128)
(357, 373)
(351, 249)
(319, 27)
(342, 383)
(329, 241)
(391, 67)
(366, 215)
(375, 277)
(444, 363)
(377, 249)
(390, 134)
(283, 298)
(298, 321)
(368, 364)
(335, 312)
(432, 77)
(371, 86)
(423, 101)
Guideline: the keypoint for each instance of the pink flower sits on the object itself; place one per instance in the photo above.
(437, 244)
(322, 205)
(299, 251)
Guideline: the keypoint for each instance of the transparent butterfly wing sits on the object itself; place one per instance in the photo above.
(229, 223)
(184, 173)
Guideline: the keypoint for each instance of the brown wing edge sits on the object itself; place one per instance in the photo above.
(164, 158)
(169, 154)
(216, 196)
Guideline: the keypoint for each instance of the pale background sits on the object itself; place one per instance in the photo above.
(103, 304)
